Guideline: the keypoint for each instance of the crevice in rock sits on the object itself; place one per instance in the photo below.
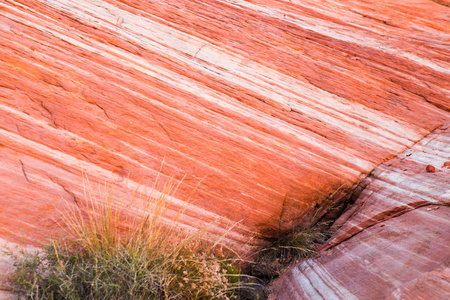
(442, 2)
(373, 18)
(377, 175)
(288, 245)
(23, 171)
(162, 127)
(50, 114)
(403, 87)
(71, 194)
(198, 51)
(104, 111)
(426, 99)
(283, 208)
(390, 215)
(18, 130)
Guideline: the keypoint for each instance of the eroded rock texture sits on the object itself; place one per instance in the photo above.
(394, 241)
(276, 104)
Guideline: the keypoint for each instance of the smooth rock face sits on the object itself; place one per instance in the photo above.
(393, 243)
(276, 104)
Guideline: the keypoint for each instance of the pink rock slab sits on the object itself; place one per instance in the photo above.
(393, 243)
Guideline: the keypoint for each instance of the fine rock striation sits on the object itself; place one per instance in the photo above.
(274, 104)
(393, 241)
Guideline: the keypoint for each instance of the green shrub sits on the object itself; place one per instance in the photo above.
(65, 272)
(112, 254)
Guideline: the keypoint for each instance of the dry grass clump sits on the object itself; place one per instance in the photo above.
(115, 254)
(286, 248)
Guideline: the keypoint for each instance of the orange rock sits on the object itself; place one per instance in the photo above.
(446, 164)
(275, 104)
(430, 168)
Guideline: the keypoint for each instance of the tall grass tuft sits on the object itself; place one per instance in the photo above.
(122, 246)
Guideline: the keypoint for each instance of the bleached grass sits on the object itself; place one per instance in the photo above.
(123, 246)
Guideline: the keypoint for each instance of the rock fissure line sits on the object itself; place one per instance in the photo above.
(23, 171)
(442, 2)
(381, 174)
(389, 216)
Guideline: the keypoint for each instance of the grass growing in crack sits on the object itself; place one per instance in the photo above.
(286, 248)
(117, 255)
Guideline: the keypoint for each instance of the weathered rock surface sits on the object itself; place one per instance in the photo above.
(275, 103)
(394, 241)
(6, 265)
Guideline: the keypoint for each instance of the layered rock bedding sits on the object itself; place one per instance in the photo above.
(274, 104)
(393, 241)
(268, 107)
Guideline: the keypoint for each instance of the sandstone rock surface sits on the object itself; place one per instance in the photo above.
(394, 241)
(7, 265)
(276, 104)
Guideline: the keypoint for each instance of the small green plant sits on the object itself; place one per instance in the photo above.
(112, 254)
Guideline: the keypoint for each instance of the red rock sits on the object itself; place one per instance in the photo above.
(392, 243)
(432, 283)
(407, 257)
(446, 164)
(430, 168)
(276, 104)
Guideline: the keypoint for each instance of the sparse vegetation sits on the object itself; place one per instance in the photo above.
(286, 248)
(131, 247)
(111, 254)
(290, 245)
